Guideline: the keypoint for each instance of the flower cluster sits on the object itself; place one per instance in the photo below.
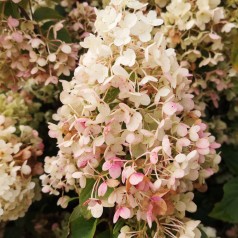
(19, 148)
(26, 54)
(129, 124)
(80, 21)
(20, 107)
(201, 32)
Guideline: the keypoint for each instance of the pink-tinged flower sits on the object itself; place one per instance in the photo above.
(122, 212)
(17, 36)
(215, 145)
(113, 165)
(193, 132)
(63, 201)
(182, 142)
(126, 173)
(95, 207)
(182, 129)
(144, 185)
(12, 22)
(136, 178)
(154, 155)
(157, 206)
(203, 146)
(102, 189)
(169, 108)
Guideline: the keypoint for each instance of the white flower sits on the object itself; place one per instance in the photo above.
(98, 72)
(91, 42)
(122, 36)
(129, 20)
(203, 17)
(107, 19)
(128, 58)
(142, 30)
(134, 4)
(151, 19)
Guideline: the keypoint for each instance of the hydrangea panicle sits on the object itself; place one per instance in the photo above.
(128, 121)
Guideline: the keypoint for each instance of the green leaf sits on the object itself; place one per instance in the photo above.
(118, 226)
(86, 192)
(46, 13)
(78, 211)
(11, 9)
(230, 157)
(82, 228)
(24, 3)
(111, 95)
(227, 209)
(64, 35)
(204, 235)
(105, 234)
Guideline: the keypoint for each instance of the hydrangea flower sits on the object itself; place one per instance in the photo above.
(26, 55)
(128, 122)
(18, 163)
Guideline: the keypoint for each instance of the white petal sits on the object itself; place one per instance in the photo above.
(97, 210)
(135, 122)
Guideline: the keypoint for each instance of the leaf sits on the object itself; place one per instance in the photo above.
(24, 3)
(203, 234)
(105, 234)
(111, 95)
(11, 9)
(86, 192)
(46, 13)
(118, 226)
(64, 35)
(78, 211)
(230, 157)
(227, 209)
(82, 228)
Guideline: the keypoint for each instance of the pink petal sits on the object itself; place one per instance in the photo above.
(170, 108)
(116, 215)
(214, 36)
(107, 165)
(182, 130)
(204, 151)
(126, 173)
(12, 22)
(143, 186)
(17, 36)
(102, 189)
(202, 143)
(136, 178)
(125, 212)
(215, 145)
(115, 171)
(154, 155)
